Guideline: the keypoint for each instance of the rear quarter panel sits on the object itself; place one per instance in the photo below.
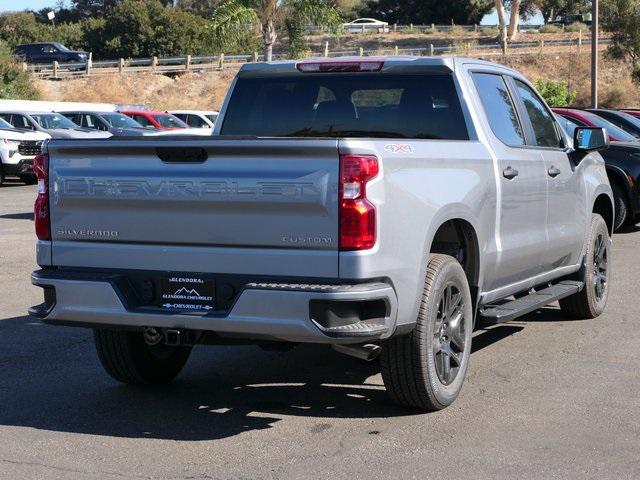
(421, 186)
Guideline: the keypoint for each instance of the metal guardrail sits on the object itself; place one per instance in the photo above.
(419, 28)
(190, 63)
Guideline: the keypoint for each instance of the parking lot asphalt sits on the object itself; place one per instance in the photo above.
(545, 397)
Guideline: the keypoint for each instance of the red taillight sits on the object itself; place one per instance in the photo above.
(41, 207)
(357, 214)
(340, 66)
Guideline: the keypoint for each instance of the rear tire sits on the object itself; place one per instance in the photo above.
(595, 273)
(622, 205)
(426, 368)
(127, 357)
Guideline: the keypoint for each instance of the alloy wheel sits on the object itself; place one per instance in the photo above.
(449, 335)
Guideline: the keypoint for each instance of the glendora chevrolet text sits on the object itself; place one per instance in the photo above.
(384, 206)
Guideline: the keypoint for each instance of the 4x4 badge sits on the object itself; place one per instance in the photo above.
(399, 148)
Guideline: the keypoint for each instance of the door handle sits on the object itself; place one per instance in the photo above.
(553, 172)
(510, 173)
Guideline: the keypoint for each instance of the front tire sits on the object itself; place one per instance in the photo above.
(622, 206)
(426, 368)
(127, 357)
(595, 273)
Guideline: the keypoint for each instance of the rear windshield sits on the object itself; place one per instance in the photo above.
(120, 120)
(355, 105)
(169, 121)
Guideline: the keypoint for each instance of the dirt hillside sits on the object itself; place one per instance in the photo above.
(207, 90)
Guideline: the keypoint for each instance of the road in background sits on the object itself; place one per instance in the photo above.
(545, 398)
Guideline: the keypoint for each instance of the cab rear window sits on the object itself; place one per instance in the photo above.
(346, 104)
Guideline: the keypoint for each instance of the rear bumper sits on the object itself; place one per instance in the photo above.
(23, 167)
(262, 311)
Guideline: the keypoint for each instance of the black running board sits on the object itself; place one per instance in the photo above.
(491, 314)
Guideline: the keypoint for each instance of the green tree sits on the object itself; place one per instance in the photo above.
(14, 82)
(23, 27)
(204, 8)
(234, 15)
(146, 28)
(551, 9)
(462, 12)
(299, 13)
(622, 19)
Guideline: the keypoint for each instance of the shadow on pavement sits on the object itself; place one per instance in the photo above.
(627, 229)
(50, 379)
(18, 216)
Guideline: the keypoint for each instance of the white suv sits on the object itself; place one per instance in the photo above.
(17, 150)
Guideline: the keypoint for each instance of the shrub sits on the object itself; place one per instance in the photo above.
(576, 27)
(14, 82)
(550, 29)
(557, 94)
(614, 98)
(489, 32)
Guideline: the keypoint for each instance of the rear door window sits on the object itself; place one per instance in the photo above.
(542, 122)
(195, 121)
(499, 108)
(420, 106)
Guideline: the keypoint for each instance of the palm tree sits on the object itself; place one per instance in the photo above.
(232, 15)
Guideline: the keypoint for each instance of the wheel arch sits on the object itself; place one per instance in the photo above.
(619, 176)
(604, 206)
(458, 238)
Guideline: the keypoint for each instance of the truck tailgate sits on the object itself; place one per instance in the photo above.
(215, 205)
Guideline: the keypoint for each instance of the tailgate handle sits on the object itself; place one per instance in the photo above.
(182, 155)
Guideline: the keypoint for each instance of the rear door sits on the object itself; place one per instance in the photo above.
(566, 190)
(522, 185)
(265, 207)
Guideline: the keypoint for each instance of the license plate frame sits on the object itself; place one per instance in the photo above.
(187, 293)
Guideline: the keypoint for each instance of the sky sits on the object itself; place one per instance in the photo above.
(12, 5)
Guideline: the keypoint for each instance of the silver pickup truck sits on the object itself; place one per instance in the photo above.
(381, 205)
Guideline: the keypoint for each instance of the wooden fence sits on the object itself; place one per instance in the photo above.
(189, 63)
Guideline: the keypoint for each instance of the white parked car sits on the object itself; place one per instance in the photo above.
(197, 118)
(51, 123)
(363, 24)
(18, 148)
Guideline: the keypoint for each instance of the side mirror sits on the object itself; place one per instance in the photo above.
(590, 139)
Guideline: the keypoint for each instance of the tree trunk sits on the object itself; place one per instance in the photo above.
(514, 20)
(269, 34)
(501, 22)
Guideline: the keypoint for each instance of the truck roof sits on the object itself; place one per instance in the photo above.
(447, 62)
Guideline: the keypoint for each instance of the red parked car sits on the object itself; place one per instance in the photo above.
(588, 119)
(160, 120)
(631, 111)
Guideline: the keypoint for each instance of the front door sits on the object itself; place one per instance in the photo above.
(521, 236)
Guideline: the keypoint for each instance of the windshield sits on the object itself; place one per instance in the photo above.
(612, 130)
(61, 47)
(53, 120)
(346, 105)
(5, 124)
(120, 120)
(212, 117)
(169, 121)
